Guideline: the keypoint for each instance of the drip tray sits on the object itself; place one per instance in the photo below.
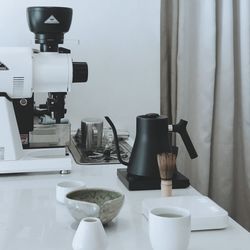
(101, 156)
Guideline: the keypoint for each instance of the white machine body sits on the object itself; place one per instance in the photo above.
(13, 159)
(52, 72)
(16, 67)
(22, 73)
(10, 144)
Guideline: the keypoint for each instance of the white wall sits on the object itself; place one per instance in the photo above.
(120, 40)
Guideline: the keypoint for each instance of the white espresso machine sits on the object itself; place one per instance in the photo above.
(25, 72)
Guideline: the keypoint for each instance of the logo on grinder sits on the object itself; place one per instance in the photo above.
(3, 67)
(52, 20)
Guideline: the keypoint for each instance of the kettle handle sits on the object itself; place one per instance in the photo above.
(181, 128)
(116, 141)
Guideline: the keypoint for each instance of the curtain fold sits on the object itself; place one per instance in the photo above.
(205, 79)
(241, 205)
(169, 38)
(223, 127)
(196, 64)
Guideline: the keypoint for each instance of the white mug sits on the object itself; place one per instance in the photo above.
(65, 187)
(169, 228)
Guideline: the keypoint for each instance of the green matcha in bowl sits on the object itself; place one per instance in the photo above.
(94, 202)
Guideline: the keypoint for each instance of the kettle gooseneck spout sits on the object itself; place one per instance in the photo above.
(116, 141)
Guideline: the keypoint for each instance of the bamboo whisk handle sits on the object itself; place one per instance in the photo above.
(166, 188)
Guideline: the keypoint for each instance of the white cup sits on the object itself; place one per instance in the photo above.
(63, 188)
(169, 228)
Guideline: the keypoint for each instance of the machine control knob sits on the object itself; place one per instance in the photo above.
(23, 102)
(80, 72)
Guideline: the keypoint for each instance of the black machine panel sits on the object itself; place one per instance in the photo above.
(24, 114)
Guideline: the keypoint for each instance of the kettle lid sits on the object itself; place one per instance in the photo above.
(150, 116)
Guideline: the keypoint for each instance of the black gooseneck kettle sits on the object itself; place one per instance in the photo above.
(152, 138)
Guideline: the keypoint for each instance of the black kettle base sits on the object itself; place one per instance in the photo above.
(146, 183)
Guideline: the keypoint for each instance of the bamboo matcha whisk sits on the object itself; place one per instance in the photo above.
(167, 166)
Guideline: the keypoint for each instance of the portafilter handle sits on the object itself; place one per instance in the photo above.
(181, 128)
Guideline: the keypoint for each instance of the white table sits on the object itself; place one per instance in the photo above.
(31, 219)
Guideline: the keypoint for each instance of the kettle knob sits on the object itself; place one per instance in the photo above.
(151, 115)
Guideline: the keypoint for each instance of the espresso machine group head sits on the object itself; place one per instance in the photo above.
(25, 72)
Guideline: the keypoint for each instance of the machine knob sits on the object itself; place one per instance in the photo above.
(80, 72)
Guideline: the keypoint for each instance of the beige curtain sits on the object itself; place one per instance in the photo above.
(205, 79)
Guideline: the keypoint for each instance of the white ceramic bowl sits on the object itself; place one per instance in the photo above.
(65, 187)
(95, 202)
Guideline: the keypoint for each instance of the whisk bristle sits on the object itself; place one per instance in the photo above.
(167, 165)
